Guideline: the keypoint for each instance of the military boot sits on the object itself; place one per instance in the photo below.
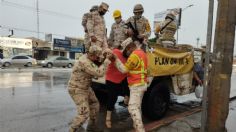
(80, 129)
(92, 127)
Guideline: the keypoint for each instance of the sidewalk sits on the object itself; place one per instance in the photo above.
(34, 69)
(192, 123)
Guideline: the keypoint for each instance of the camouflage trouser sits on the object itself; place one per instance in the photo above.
(100, 44)
(87, 106)
(135, 101)
(87, 42)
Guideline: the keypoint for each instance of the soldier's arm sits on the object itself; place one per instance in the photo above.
(111, 37)
(84, 20)
(105, 45)
(94, 70)
(147, 33)
(90, 25)
(132, 62)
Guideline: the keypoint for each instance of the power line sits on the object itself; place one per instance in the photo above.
(25, 7)
(30, 31)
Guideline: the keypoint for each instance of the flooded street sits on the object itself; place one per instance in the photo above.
(38, 101)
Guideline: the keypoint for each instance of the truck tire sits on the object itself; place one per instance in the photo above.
(158, 101)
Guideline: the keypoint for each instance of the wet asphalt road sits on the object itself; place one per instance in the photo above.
(37, 101)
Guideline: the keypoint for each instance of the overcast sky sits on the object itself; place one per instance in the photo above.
(63, 17)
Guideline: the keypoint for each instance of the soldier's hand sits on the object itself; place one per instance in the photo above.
(93, 39)
(130, 32)
(112, 57)
(108, 53)
(200, 82)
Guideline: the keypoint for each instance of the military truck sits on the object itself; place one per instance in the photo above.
(170, 71)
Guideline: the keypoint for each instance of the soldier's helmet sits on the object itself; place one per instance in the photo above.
(94, 8)
(95, 50)
(171, 16)
(116, 14)
(138, 8)
(104, 5)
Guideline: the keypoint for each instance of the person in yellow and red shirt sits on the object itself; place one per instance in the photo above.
(136, 69)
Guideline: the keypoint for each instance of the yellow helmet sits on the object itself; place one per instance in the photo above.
(116, 14)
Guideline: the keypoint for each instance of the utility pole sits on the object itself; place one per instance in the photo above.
(219, 88)
(206, 68)
(37, 11)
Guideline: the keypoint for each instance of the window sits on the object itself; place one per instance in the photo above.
(23, 57)
(64, 58)
(59, 58)
(16, 57)
(20, 57)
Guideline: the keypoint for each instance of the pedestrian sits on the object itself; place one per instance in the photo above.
(140, 24)
(119, 31)
(136, 69)
(96, 27)
(116, 83)
(79, 88)
(166, 31)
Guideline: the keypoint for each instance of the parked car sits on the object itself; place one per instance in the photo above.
(57, 61)
(19, 60)
(0, 62)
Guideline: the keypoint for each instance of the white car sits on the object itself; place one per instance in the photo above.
(57, 61)
(19, 60)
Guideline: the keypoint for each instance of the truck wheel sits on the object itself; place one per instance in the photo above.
(158, 101)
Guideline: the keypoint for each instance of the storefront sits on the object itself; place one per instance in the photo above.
(61, 47)
(74, 51)
(76, 47)
(41, 48)
(15, 46)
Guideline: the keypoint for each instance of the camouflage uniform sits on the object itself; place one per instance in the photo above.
(96, 27)
(168, 33)
(118, 34)
(86, 36)
(79, 88)
(84, 24)
(142, 25)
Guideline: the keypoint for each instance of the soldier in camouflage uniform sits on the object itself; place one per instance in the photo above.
(84, 24)
(96, 27)
(79, 87)
(140, 23)
(167, 30)
(118, 31)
